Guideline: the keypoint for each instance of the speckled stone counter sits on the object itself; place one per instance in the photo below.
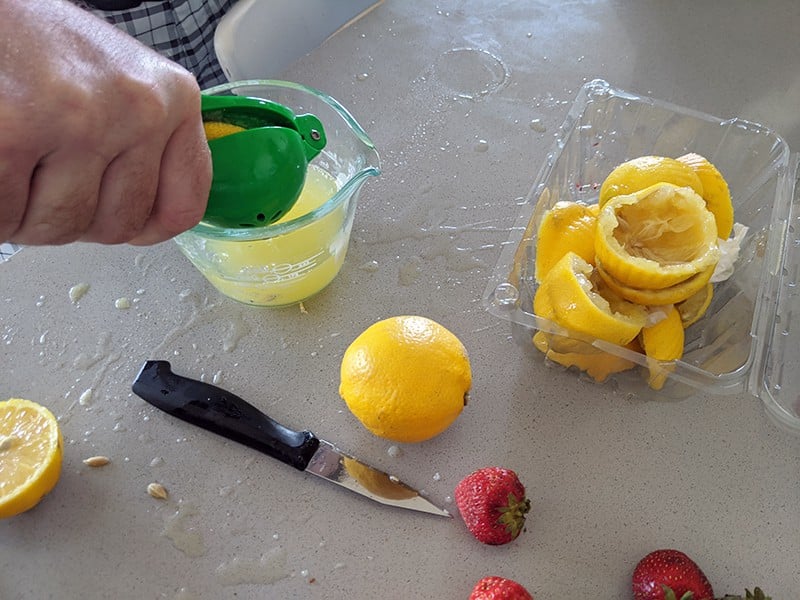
(462, 100)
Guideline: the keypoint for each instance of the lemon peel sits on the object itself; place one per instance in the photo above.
(715, 191)
(670, 295)
(663, 343)
(695, 306)
(567, 226)
(645, 171)
(405, 378)
(596, 363)
(573, 297)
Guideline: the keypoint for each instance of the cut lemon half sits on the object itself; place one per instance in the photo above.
(31, 449)
(656, 237)
(696, 305)
(662, 343)
(573, 296)
(669, 295)
(715, 192)
(640, 173)
(567, 226)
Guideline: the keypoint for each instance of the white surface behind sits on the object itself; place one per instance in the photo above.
(258, 39)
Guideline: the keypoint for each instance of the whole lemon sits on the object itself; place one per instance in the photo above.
(406, 378)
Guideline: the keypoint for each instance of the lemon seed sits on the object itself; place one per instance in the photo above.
(157, 491)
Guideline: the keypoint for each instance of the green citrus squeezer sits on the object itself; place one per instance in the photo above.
(258, 172)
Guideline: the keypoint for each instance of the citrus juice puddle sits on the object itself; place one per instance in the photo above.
(286, 268)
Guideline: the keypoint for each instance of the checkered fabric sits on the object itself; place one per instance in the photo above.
(182, 30)
(7, 250)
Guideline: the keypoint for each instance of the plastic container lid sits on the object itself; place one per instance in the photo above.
(746, 340)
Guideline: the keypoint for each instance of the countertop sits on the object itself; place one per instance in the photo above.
(462, 100)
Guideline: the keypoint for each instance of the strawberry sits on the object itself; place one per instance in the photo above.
(499, 588)
(493, 505)
(670, 575)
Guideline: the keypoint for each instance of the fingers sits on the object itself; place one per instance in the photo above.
(16, 176)
(102, 137)
(62, 196)
(183, 185)
(125, 198)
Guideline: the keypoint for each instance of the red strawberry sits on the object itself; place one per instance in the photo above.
(493, 505)
(670, 575)
(499, 588)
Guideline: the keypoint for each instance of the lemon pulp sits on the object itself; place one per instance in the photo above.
(656, 237)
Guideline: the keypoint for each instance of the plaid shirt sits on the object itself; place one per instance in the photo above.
(182, 30)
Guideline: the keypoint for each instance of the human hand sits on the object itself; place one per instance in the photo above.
(102, 138)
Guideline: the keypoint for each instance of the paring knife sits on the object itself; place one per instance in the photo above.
(226, 414)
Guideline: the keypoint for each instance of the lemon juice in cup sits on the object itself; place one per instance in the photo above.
(283, 267)
(300, 254)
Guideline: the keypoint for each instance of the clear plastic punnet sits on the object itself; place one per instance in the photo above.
(749, 338)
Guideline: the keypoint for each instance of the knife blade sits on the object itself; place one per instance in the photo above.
(226, 414)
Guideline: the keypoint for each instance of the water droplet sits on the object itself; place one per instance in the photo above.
(122, 303)
(471, 72)
(481, 146)
(371, 266)
(157, 462)
(537, 126)
(393, 451)
(437, 477)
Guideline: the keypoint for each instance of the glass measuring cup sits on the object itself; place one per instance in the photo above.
(296, 257)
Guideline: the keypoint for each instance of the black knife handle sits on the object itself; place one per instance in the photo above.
(222, 412)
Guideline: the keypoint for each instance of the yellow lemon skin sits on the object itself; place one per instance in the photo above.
(405, 378)
(599, 365)
(663, 342)
(31, 451)
(656, 237)
(669, 295)
(571, 296)
(715, 191)
(644, 171)
(218, 129)
(695, 306)
(568, 226)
